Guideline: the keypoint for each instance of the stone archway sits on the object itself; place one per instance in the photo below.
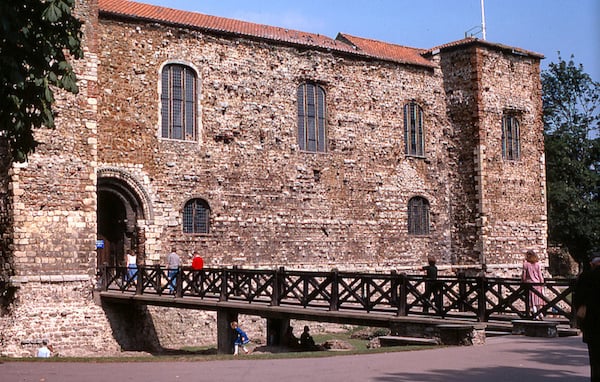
(122, 203)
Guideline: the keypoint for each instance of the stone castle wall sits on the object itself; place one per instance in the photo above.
(271, 204)
(52, 198)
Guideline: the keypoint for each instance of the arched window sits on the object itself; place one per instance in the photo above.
(178, 102)
(413, 130)
(196, 216)
(311, 118)
(511, 145)
(418, 216)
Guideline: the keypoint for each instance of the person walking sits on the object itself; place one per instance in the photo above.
(241, 339)
(431, 274)
(131, 266)
(586, 303)
(532, 274)
(173, 263)
(197, 261)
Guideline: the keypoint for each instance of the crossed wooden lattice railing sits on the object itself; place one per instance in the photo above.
(481, 298)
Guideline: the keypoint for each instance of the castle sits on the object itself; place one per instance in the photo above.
(261, 146)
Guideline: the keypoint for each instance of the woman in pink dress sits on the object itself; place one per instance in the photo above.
(532, 273)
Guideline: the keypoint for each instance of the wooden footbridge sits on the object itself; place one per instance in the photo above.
(393, 300)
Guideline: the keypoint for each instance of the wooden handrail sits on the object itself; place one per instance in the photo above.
(481, 298)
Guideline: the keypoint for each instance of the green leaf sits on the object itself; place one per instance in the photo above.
(52, 13)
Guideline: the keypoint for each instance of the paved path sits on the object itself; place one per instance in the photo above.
(501, 359)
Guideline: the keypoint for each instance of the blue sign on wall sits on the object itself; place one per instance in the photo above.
(99, 244)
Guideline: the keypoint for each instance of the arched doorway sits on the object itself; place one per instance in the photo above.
(119, 209)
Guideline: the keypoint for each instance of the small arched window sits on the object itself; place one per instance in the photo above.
(418, 216)
(311, 118)
(413, 130)
(178, 102)
(511, 145)
(196, 216)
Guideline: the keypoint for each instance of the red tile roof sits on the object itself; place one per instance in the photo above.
(126, 8)
(387, 51)
(360, 47)
(344, 43)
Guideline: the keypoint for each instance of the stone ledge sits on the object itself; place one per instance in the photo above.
(402, 341)
(461, 334)
(15, 281)
(531, 328)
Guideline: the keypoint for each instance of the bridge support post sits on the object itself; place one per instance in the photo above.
(224, 332)
(276, 327)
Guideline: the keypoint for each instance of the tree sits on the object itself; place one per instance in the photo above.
(571, 133)
(36, 39)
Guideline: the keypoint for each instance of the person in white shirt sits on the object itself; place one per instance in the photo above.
(131, 266)
(44, 351)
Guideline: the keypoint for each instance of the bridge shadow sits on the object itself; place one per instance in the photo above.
(184, 352)
(494, 374)
(133, 328)
(563, 356)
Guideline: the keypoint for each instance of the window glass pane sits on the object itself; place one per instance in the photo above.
(312, 129)
(419, 131)
(177, 131)
(413, 130)
(311, 135)
(201, 219)
(188, 218)
(301, 120)
(178, 102)
(321, 120)
(418, 216)
(196, 216)
(310, 105)
(511, 149)
(164, 99)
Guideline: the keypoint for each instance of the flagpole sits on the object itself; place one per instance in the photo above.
(483, 19)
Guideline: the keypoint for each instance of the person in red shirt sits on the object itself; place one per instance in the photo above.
(197, 262)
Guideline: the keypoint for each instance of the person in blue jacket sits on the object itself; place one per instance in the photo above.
(241, 339)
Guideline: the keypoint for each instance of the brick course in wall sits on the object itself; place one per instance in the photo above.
(271, 203)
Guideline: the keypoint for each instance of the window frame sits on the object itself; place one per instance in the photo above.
(511, 136)
(418, 216)
(414, 132)
(187, 100)
(191, 224)
(312, 117)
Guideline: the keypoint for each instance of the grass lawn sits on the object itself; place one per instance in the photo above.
(209, 353)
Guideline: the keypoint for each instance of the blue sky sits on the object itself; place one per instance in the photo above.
(542, 26)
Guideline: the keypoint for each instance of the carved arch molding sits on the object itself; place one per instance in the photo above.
(128, 189)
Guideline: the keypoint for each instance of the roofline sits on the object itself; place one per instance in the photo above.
(345, 38)
(468, 41)
(349, 51)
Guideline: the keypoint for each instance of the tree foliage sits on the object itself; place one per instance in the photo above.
(571, 128)
(36, 39)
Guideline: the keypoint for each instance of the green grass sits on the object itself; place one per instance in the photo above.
(208, 353)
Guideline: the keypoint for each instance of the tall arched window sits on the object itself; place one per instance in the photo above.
(311, 118)
(413, 130)
(178, 102)
(511, 145)
(418, 216)
(196, 216)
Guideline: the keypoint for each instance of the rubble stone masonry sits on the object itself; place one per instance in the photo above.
(271, 204)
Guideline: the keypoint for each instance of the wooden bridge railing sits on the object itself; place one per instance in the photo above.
(481, 298)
